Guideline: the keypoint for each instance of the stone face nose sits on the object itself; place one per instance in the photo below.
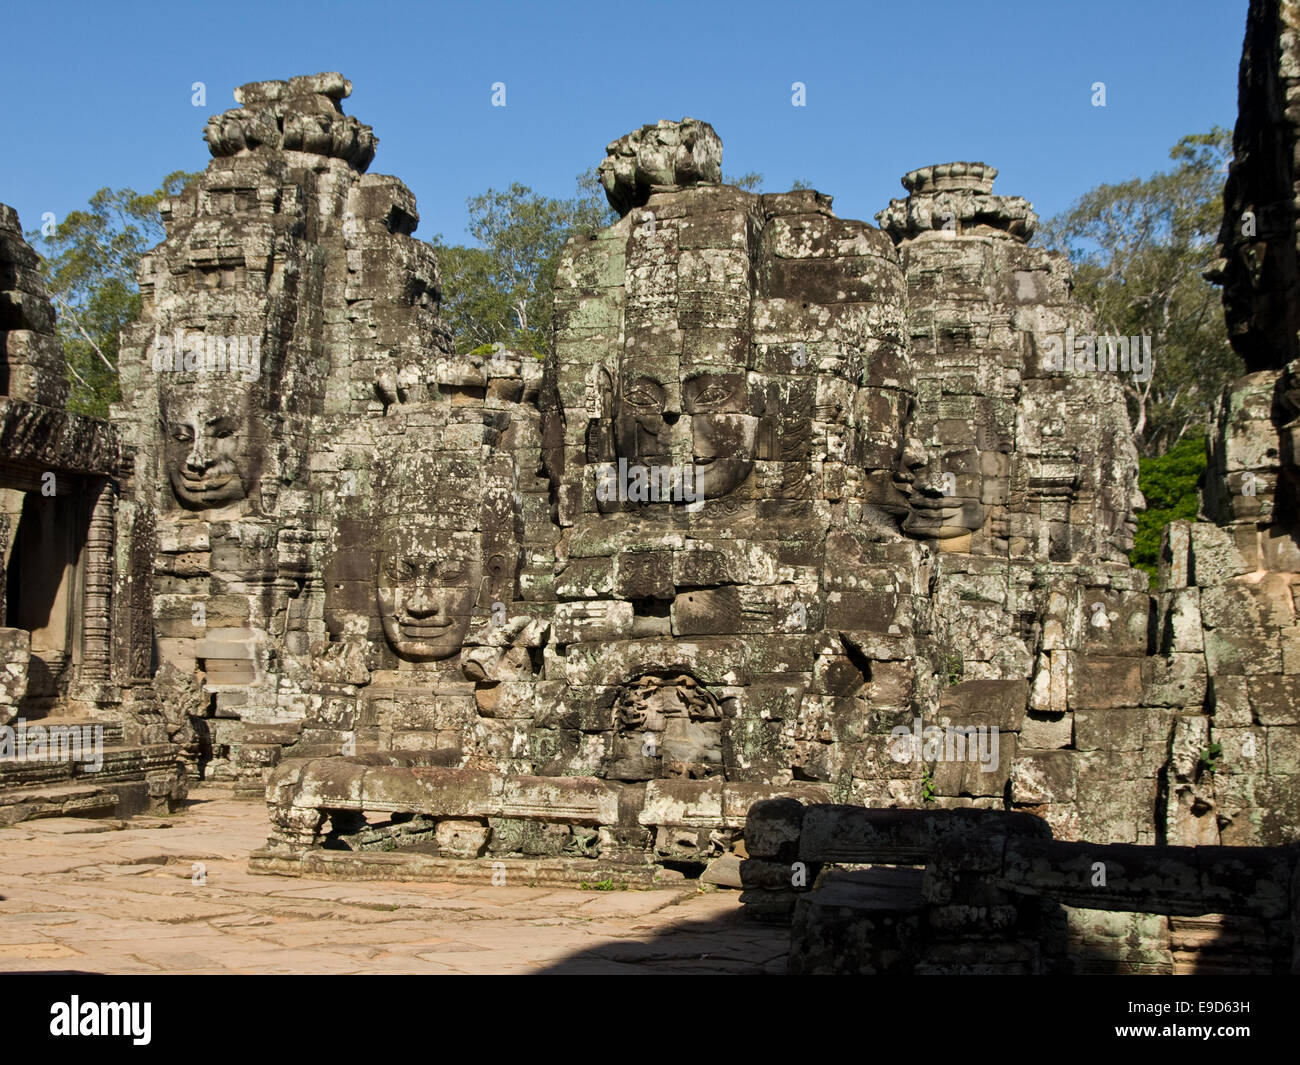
(421, 604)
(930, 483)
(197, 459)
(914, 457)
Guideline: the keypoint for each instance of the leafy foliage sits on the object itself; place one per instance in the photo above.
(1169, 483)
(89, 265)
(750, 181)
(1139, 249)
(501, 291)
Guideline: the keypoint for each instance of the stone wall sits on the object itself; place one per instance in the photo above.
(974, 892)
(71, 628)
(1257, 244)
(31, 363)
(287, 289)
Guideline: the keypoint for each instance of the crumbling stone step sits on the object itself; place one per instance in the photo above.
(129, 763)
(66, 800)
(118, 763)
(516, 872)
(112, 734)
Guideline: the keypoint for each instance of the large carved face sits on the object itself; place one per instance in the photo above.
(426, 586)
(207, 446)
(885, 455)
(706, 422)
(1288, 411)
(944, 496)
(1246, 451)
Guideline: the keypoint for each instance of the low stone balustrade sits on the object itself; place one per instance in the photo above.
(987, 891)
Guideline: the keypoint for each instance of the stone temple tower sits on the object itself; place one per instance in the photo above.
(288, 285)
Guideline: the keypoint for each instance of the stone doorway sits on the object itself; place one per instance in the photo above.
(41, 585)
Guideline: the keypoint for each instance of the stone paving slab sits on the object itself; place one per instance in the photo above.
(127, 897)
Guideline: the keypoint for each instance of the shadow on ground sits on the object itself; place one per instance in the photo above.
(731, 943)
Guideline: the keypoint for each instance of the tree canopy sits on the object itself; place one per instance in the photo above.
(501, 291)
(1169, 483)
(1139, 249)
(89, 265)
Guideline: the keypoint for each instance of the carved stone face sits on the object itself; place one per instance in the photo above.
(1122, 517)
(667, 726)
(944, 496)
(426, 586)
(1246, 452)
(885, 455)
(1288, 411)
(705, 422)
(206, 449)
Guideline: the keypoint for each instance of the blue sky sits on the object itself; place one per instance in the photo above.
(99, 94)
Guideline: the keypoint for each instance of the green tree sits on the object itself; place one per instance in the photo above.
(501, 291)
(474, 308)
(89, 265)
(1169, 482)
(1139, 249)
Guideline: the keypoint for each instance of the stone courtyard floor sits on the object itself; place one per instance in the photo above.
(87, 896)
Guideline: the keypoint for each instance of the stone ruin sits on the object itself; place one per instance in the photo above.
(81, 732)
(799, 508)
(983, 892)
(1212, 746)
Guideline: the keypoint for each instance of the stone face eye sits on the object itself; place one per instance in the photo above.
(452, 569)
(400, 570)
(709, 392)
(641, 397)
(712, 395)
(645, 394)
(182, 434)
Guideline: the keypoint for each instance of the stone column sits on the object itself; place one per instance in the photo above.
(97, 584)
